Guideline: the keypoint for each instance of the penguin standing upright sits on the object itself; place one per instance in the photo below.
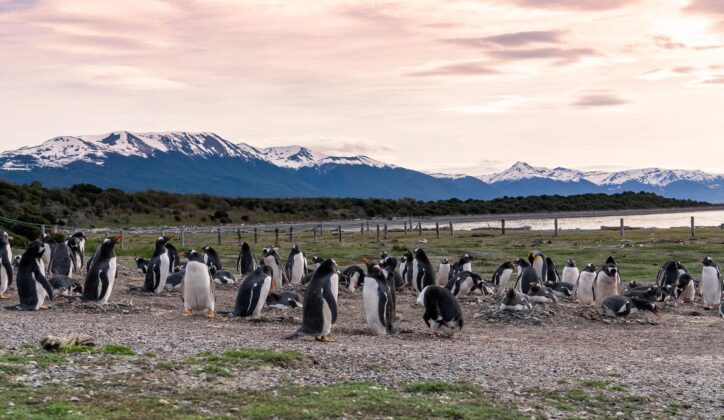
(442, 310)
(463, 264)
(81, 241)
(606, 283)
(6, 264)
(552, 274)
(354, 276)
(443, 271)
(246, 263)
(501, 277)
(197, 287)
(570, 272)
(537, 260)
(422, 273)
(49, 245)
(158, 267)
(685, 288)
(102, 272)
(388, 266)
(33, 287)
(584, 285)
(270, 258)
(406, 267)
(526, 276)
(211, 257)
(174, 260)
(668, 278)
(62, 261)
(464, 283)
(76, 253)
(320, 304)
(378, 304)
(296, 267)
(710, 286)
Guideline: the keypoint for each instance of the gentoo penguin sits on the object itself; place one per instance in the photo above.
(76, 253)
(584, 285)
(16, 261)
(81, 240)
(668, 277)
(606, 283)
(643, 292)
(442, 310)
(622, 306)
(553, 276)
(33, 287)
(463, 264)
(570, 272)
(501, 277)
(296, 267)
(64, 286)
(538, 293)
(62, 261)
(158, 267)
(710, 286)
(685, 288)
(422, 273)
(174, 280)
(316, 261)
(283, 300)
(246, 263)
(388, 266)
(197, 288)
(142, 265)
(253, 292)
(102, 272)
(48, 244)
(353, 276)
(537, 260)
(6, 264)
(223, 277)
(464, 283)
(561, 289)
(406, 267)
(378, 304)
(443, 272)
(515, 301)
(174, 259)
(211, 257)
(383, 256)
(270, 258)
(320, 304)
(526, 276)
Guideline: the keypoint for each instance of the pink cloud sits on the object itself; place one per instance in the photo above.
(598, 99)
(577, 5)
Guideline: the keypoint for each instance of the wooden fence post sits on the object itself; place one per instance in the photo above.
(452, 231)
(437, 230)
(386, 235)
(621, 228)
(321, 230)
(378, 232)
(42, 230)
(291, 234)
(502, 227)
(218, 236)
(122, 236)
(256, 235)
(419, 228)
(183, 238)
(362, 229)
(339, 230)
(405, 228)
(238, 235)
(693, 234)
(314, 229)
(555, 227)
(276, 236)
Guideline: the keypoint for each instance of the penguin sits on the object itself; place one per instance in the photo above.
(388, 266)
(710, 286)
(270, 258)
(501, 276)
(32, 285)
(246, 263)
(81, 241)
(721, 309)
(198, 292)
(296, 267)
(376, 294)
(16, 262)
(537, 260)
(6, 264)
(622, 306)
(584, 285)
(48, 244)
(442, 310)
(62, 262)
(538, 293)
(76, 253)
(158, 267)
(174, 260)
(552, 275)
(354, 277)
(606, 283)
(319, 312)
(383, 256)
(561, 289)
(174, 280)
(142, 265)
(464, 283)
(422, 273)
(463, 264)
(406, 267)
(223, 277)
(316, 261)
(283, 300)
(685, 288)
(526, 276)
(643, 292)
(211, 257)
(570, 273)
(514, 301)
(443, 271)
(668, 277)
(64, 286)
(102, 272)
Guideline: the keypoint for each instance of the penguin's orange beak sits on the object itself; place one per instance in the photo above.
(701, 261)
(182, 254)
(170, 236)
(117, 237)
(365, 260)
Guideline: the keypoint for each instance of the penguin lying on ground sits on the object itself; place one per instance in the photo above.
(211, 257)
(32, 285)
(650, 293)
(320, 304)
(283, 300)
(622, 306)
(561, 288)
(710, 286)
(64, 286)
(246, 263)
(197, 288)
(465, 282)
(442, 310)
(541, 294)
(378, 303)
(223, 277)
(296, 267)
(501, 277)
(422, 274)
(102, 272)
(6, 265)
(253, 293)
(174, 280)
(515, 301)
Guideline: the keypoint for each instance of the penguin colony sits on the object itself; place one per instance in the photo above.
(46, 269)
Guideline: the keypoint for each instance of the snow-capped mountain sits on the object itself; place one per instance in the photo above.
(522, 170)
(296, 157)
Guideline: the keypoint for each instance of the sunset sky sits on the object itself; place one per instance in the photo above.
(448, 85)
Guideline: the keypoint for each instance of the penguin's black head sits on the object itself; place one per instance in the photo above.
(295, 248)
(609, 269)
(317, 260)
(389, 264)
(571, 263)
(521, 263)
(477, 281)
(591, 268)
(408, 255)
(328, 266)
(420, 254)
(79, 235)
(383, 255)
(444, 261)
(535, 254)
(192, 255)
(508, 265)
(684, 280)
(610, 260)
(464, 259)
(708, 262)
(33, 253)
(634, 284)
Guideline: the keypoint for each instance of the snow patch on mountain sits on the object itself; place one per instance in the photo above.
(522, 170)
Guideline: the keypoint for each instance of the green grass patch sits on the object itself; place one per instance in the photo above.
(117, 349)
(594, 384)
(439, 387)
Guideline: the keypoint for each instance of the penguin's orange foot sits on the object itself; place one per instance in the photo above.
(325, 339)
(189, 312)
(43, 307)
(210, 313)
(3, 296)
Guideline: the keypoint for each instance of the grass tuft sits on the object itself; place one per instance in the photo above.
(118, 349)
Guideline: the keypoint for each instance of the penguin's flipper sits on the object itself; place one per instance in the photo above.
(328, 296)
(40, 278)
(8, 266)
(105, 282)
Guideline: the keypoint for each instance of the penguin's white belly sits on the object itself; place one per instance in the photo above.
(443, 274)
(197, 288)
(40, 292)
(504, 307)
(326, 318)
(297, 269)
(276, 271)
(45, 259)
(688, 293)
(504, 280)
(710, 287)
(334, 280)
(3, 280)
(468, 267)
(353, 282)
(112, 268)
(163, 269)
(538, 267)
(465, 287)
(372, 303)
(605, 287)
(584, 291)
(570, 275)
(263, 293)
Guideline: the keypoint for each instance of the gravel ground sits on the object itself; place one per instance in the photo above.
(677, 359)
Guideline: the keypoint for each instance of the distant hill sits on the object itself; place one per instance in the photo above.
(183, 162)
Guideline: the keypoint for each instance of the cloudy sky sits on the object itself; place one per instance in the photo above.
(448, 85)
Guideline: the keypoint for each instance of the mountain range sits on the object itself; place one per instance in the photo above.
(186, 162)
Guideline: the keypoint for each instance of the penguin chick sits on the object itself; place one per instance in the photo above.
(515, 301)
